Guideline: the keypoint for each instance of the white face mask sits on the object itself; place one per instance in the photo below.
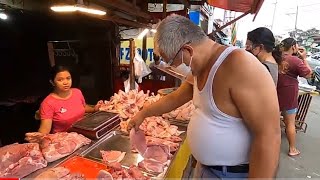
(183, 68)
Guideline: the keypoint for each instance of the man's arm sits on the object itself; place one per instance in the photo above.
(166, 104)
(255, 95)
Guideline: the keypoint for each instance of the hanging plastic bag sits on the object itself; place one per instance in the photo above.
(127, 85)
(140, 67)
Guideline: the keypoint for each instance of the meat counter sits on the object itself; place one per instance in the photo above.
(116, 140)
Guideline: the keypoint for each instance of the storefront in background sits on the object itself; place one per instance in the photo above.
(125, 50)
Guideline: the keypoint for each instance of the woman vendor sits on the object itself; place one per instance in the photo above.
(64, 106)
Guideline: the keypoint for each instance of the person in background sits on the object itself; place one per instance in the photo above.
(64, 106)
(157, 62)
(288, 86)
(234, 131)
(156, 73)
(261, 42)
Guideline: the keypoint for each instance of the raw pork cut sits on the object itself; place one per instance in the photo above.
(136, 173)
(182, 113)
(112, 156)
(159, 153)
(104, 175)
(19, 160)
(156, 127)
(155, 155)
(151, 166)
(173, 146)
(126, 104)
(59, 145)
(138, 137)
(59, 173)
(116, 166)
(119, 173)
(138, 140)
(159, 127)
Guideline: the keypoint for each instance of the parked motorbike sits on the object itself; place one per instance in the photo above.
(315, 78)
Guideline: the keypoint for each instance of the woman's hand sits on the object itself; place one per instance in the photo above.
(302, 53)
(97, 107)
(34, 137)
(92, 109)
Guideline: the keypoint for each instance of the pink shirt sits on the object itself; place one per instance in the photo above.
(63, 112)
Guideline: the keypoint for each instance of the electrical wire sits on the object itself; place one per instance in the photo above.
(309, 5)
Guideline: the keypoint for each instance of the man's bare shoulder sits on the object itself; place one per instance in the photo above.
(242, 64)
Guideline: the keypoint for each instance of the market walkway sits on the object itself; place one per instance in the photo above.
(307, 165)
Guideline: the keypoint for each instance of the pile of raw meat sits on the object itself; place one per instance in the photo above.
(59, 173)
(172, 143)
(126, 104)
(112, 156)
(19, 160)
(156, 127)
(112, 159)
(183, 112)
(118, 172)
(58, 145)
(156, 156)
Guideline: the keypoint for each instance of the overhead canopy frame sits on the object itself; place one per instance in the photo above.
(245, 6)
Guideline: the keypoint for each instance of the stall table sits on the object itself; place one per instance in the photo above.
(304, 101)
(175, 169)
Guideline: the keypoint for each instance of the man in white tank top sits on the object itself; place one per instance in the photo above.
(235, 129)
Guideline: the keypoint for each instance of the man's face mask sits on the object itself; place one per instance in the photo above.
(183, 68)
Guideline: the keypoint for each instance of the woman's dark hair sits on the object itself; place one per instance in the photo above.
(277, 54)
(287, 43)
(56, 69)
(263, 36)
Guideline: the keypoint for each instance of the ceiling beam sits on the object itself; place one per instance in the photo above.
(185, 3)
(125, 7)
(124, 22)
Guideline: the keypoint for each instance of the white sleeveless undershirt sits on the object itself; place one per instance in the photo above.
(214, 137)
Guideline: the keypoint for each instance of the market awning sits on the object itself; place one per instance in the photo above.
(245, 6)
(253, 6)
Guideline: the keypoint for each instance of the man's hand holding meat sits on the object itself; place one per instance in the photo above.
(166, 104)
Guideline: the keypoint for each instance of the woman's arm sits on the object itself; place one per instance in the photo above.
(305, 69)
(45, 126)
(90, 109)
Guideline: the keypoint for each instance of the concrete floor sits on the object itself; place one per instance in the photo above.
(307, 164)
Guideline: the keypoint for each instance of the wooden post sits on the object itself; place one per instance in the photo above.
(132, 54)
(144, 48)
(164, 15)
(51, 53)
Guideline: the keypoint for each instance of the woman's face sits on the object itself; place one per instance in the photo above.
(253, 49)
(295, 49)
(63, 81)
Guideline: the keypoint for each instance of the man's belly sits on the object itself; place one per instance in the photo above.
(218, 142)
